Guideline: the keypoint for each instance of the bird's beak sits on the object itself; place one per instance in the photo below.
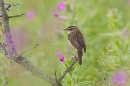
(65, 29)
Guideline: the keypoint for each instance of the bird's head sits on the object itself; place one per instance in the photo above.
(71, 29)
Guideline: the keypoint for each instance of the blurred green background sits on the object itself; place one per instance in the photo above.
(104, 23)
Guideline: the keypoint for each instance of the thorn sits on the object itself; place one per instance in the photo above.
(8, 7)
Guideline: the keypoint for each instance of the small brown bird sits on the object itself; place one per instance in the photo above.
(76, 39)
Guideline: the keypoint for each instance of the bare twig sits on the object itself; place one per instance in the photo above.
(55, 75)
(10, 5)
(29, 49)
(56, 80)
(16, 15)
(68, 69)
(28, 66)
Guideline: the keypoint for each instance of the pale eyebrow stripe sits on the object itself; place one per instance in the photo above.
(72, 27)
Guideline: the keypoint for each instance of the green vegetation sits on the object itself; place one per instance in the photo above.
(105, 25)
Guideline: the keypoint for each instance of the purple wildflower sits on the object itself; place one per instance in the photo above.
(128, 1)
(70, 55)
(30, 15)
(62, 59)
(61, 6)
(56, 14)
(19, 37)
(68, 48)
(58, 53)
(119, 78)
(126, 32)
(62, 17)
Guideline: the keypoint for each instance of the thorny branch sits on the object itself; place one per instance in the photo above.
(16, 15)
(9, 5)
(11, 53)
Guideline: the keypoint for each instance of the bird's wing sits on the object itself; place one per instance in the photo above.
(84, 46)
(81, 41)
(75, 43)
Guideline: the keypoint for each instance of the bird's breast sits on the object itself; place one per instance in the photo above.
(71, 45)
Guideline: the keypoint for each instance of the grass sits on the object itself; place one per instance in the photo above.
(104, 24)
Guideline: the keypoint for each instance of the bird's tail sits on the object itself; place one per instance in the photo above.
(80, 54)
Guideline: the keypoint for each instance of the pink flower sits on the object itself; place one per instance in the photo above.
(59, 53)
(126, 32)
(62, 59)
(61, 6)
(62, 17)
(128, 1)
(56, 14)
(70, 55)
(119, 78)
(20, 38)
(30, 15)
(68, 48)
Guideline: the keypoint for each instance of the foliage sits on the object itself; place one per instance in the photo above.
(104, 24)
